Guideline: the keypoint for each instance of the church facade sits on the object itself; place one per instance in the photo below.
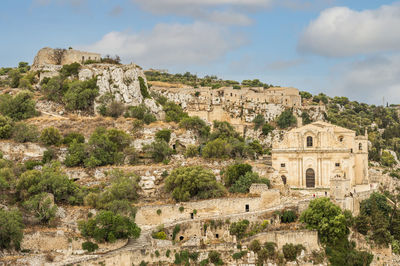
(318, 154)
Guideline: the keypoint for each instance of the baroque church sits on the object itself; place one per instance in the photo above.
(317, 154)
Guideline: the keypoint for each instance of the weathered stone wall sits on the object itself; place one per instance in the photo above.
(309, 239)
(46, 56)
(147, 215)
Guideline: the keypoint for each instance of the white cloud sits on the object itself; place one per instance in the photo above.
(340, 31)
(369, 79)
(170, 44)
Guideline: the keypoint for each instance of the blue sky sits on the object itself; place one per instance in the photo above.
(342, 48)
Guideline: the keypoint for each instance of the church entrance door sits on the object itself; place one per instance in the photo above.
(310, 178)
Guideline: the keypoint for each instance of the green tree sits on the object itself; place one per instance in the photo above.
(327, 218)
(305, 95)
(42, 207)
(266, 129)
(306, 118)
(159, 150)
(258, 121)
(239, 228)
(291, 252)
(19, 107)
(197, 124)
(164, 134)
(387, 159)
(218, 148)
(50, 136)
(107, 226)
(193, 182)
(233, 172)
(6, 127)
(76, 154)
(11, 226)
(173, 112)
(286, 119)
(80, 95)
(24, 132)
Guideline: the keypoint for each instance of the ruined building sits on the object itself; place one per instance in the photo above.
(50, 56)
(236, 106)
(320, 154)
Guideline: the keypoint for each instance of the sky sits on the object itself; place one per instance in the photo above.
(339, 47)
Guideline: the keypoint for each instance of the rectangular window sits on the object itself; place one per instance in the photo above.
(247, 208)
(283, 165)
(337, 164)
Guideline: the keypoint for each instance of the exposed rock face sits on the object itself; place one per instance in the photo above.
(122, 83)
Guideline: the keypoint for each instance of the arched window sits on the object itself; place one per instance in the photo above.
(360, 146)
(309, 141)
(341, 138)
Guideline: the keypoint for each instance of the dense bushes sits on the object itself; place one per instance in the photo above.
(158, 150)
(193, 182)
(143, 88)
(173, 112)
(258, 121)
(286, 119)
(51, 136)
(197, 124)
(118, 195)
(6, 127)
(23, 132)
(76, 94)
(51, 180)
(291, 252)
(80, 95)
(140, 112)
(332, 225)
(107, 226)
(164, 134)
(225, 142)
(11, 226)
(239, 177)
(19, 107)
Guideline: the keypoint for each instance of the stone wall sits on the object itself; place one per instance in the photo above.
(309, 239)
(47, 56)
(147, 215)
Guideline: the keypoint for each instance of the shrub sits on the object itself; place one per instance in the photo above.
(158, 150)
(164, 134)
(14, 76)
(70, 137)
(255, 246)
(140, 112)
(6, 127)
(106, 146)
(266, 129)
(387, 159)
(322, 215)
(70, 70)
(43, 208)
(11, 226)
(288, 216)
(176, 230)
(215, 257)
(159, 212)
(48, 156)
(290, 251)
(80, 95)
(107, 226)
(193, 182)
(305, 95)
(235, 171)
(89, 246)
(306, 118)
(53, 89)
(191, 151)
(159, 235)
(239, 255)
(23, 132)
(197, 124)
(239, 228)
(114, 109)
(143, 88)
(258, 121)
(76, 154)
(218, 148)
(50, 136)
(286, 119)
(173, 112)
(19, 107)
(51, 180)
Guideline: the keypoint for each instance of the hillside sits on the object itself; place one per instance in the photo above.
(107, 164)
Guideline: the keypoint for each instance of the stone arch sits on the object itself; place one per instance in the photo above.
(310, 177)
